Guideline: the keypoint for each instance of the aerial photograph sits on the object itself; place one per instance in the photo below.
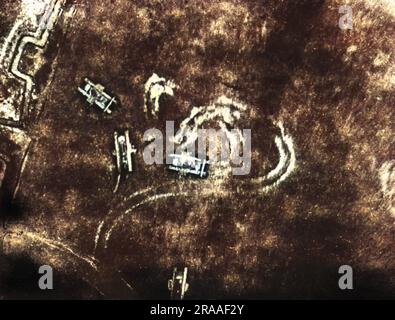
(197, 149)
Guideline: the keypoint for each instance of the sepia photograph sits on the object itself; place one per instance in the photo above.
(197, 150)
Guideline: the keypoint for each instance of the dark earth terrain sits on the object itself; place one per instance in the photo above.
(287, 61)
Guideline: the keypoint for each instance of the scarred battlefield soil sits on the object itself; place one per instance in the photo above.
(288, 61)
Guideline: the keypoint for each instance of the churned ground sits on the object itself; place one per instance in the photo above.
(287, 62)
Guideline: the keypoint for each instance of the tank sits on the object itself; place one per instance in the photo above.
(123, 152)
(178, 285)
(96, 96)
(188, 165)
